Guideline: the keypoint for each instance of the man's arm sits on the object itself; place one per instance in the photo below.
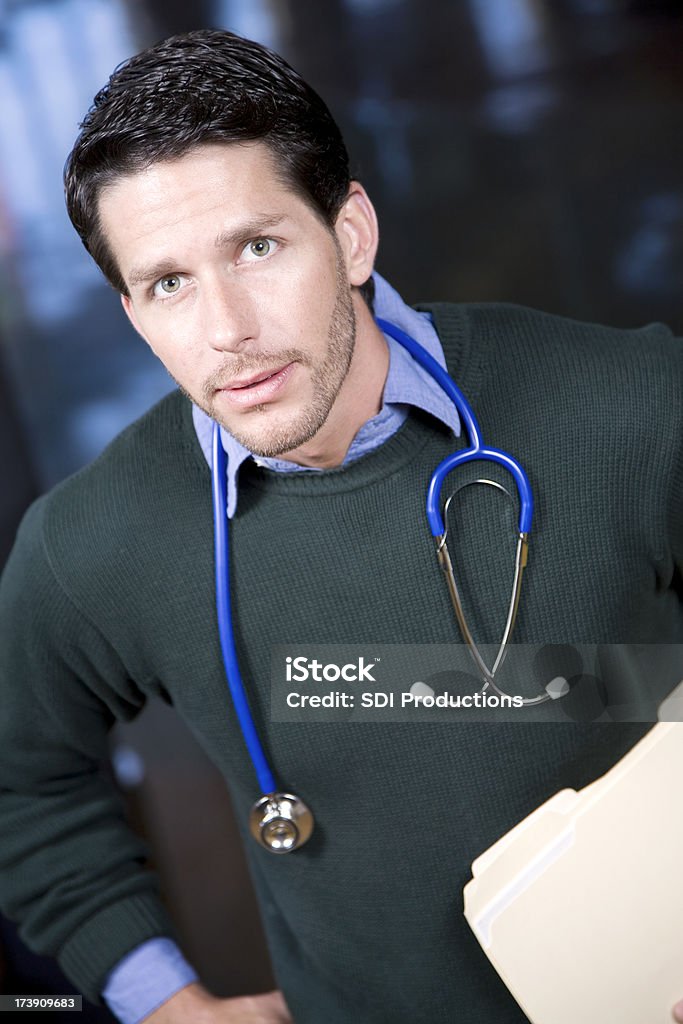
(155, 983)
(71, 871)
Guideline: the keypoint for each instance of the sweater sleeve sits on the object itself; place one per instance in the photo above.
(72, 873)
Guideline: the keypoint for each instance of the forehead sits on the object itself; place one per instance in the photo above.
(234, 167)
(211, 188)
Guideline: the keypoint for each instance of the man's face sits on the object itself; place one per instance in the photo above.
(239, 289)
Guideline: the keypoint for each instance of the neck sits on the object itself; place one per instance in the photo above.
(359, 398)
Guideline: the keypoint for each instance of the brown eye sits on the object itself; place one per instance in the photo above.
(170, 285)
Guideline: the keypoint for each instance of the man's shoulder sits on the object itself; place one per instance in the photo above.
(132, 486)
(528, 351)
(495, 326)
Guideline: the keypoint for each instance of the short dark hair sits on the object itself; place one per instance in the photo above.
(202, 87)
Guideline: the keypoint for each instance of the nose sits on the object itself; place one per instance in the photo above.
(228, 315)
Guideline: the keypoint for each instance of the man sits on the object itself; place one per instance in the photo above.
(212, 187)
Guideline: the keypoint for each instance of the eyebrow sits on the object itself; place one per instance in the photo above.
(225, 240)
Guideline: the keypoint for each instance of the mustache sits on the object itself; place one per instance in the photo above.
(241, 366)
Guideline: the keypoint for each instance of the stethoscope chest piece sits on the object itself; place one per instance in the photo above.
(280, 822)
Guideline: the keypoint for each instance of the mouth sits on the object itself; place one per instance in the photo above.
(259, 388)
(250, 381)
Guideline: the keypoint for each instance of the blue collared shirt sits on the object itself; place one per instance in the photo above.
(156, 969)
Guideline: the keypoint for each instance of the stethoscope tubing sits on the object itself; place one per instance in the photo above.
(266, 779)
(476, 449)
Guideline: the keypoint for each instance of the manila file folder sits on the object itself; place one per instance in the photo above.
(580, 906)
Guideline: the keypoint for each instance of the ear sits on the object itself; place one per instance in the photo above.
(129, 310)
(358, 233)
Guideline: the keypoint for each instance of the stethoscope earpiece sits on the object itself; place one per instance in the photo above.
(280, 822)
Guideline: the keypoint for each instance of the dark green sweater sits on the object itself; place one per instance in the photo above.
(108, 598)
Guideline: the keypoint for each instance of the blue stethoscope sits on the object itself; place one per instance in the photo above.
(280, 821)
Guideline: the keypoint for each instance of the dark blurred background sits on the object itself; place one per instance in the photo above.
(516, 150)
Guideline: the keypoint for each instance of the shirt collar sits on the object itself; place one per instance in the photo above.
(407, 383)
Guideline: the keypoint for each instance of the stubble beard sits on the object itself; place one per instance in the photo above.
(326, 380)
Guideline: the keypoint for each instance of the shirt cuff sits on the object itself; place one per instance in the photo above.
(145, 979)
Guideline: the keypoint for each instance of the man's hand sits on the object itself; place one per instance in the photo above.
(194, 1005)
(677, 1012)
